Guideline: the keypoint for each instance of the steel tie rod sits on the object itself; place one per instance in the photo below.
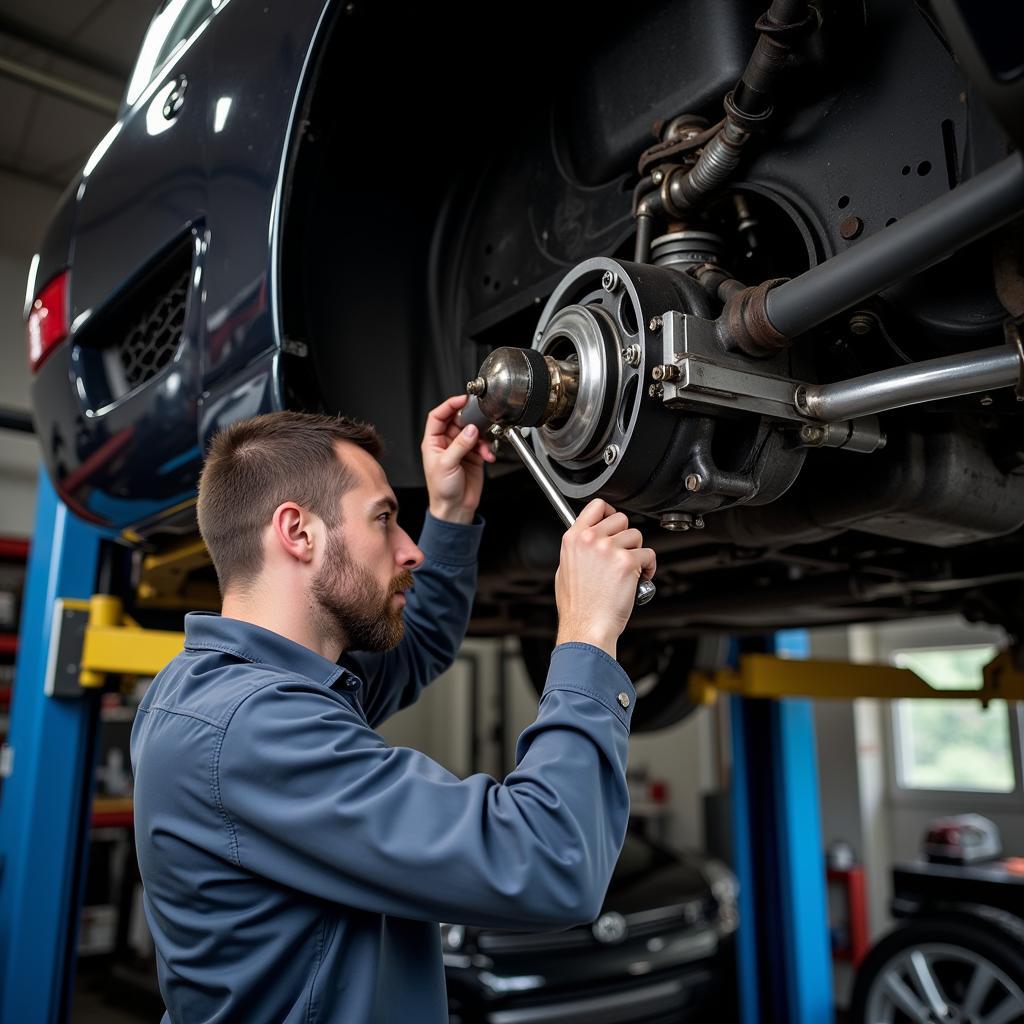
(926, 381)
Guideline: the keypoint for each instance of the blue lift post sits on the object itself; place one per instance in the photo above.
(783, 951)
(46, 796)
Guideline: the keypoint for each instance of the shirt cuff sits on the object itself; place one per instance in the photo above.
(583, 668)
(451, 543)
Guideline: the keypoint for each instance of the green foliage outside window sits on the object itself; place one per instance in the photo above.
(952, 744)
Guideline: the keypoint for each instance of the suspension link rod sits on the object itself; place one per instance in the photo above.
(927, 381)
(909, 246)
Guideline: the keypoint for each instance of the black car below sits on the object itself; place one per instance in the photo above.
(661, 950)
(957, 951)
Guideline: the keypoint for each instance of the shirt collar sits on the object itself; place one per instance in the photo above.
(208, 631)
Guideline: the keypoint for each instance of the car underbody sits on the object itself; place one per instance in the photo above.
(753, 277)
(589, 215)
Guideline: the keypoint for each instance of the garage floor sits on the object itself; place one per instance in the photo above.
(100, 999)
(91, 1008)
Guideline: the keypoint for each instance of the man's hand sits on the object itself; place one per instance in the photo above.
(453, 463)
(595, 586)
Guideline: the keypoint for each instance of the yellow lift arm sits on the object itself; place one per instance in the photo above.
(111, 644)
(764, 675)
(97, 639)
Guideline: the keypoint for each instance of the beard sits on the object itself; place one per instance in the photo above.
(353, 607)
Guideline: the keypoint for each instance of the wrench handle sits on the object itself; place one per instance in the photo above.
(645, 589)
(532, 463)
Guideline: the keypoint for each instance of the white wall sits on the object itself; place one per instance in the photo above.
(860, 802)
(680, 755)
(838, 776)
(910, 811)
(24, 211)
(836, 752)
(439, 724)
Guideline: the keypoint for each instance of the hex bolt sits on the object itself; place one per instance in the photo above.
(666, 372)
(611, 453)
(655, 324)
(477, 386)
(610, 281)
(631, 355)
(698, 523)
(811, 434)
(861, 323)
(693, 482)
(656, 390)
(850, 227)
(677, 522)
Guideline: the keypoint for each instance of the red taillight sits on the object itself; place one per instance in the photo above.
(48, 320)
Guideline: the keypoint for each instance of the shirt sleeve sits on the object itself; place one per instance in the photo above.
(436, 616)
(316, 800)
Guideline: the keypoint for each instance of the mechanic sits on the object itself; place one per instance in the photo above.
(295, 865)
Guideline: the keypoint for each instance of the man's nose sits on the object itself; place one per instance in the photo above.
(408, 555)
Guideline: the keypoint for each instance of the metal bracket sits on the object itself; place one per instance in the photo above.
(709, 378)
(63, 663)
(697, 375)
(1011, 331)
(1004, 675)
(168, 579)
(93, 639)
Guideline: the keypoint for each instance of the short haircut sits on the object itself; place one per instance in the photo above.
(255, 465)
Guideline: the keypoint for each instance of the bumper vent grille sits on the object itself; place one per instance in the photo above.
(154, 317)
(137, 335)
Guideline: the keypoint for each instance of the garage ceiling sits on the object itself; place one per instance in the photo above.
(80, 55)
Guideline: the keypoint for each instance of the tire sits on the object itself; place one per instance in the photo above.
(659, 667)
(977, 969)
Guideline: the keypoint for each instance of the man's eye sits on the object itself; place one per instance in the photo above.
(384, 517)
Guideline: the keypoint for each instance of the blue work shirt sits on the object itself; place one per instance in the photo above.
(296, 865)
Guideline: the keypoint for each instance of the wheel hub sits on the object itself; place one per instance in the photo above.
(588, 338)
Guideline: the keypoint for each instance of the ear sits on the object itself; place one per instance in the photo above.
(295, 531)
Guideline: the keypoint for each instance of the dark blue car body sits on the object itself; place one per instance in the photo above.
(174, 222)
(179, 219)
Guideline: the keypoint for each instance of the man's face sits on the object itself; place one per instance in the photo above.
(367, 562)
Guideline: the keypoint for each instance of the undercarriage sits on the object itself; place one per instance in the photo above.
(753, 277)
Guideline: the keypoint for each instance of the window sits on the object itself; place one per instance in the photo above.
(952, 744)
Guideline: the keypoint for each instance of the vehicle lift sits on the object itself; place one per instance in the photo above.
(72, 639)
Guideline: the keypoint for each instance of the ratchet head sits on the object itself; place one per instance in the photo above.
(522, 387)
